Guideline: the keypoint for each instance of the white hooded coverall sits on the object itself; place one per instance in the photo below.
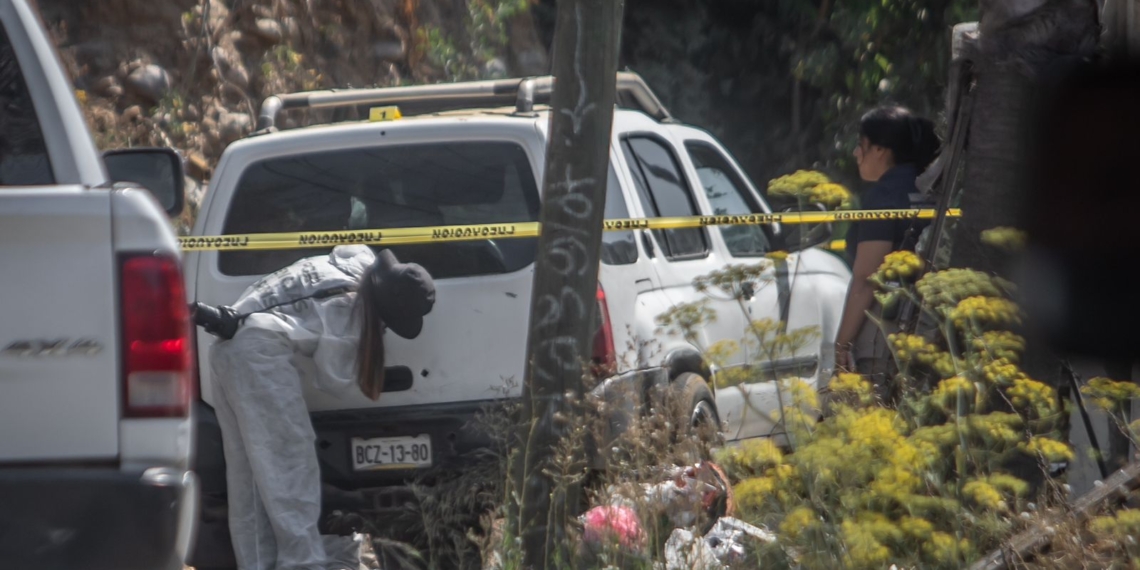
(272, 473)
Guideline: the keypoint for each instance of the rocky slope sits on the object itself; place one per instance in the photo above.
(191, 74)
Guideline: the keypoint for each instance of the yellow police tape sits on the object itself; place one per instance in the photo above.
(432, 234)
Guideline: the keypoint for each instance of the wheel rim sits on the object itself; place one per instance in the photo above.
(702, 415)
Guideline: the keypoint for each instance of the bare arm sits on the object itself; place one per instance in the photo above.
(860, 294)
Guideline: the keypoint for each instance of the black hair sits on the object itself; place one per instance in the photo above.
(909, 137)
(370, 350)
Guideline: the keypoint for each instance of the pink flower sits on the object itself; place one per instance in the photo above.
(605, 523)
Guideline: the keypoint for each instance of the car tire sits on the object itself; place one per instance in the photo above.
(696, 402)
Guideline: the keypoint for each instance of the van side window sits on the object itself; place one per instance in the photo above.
(664, 192)
(618, 248)
(729, 195)
(23, 152)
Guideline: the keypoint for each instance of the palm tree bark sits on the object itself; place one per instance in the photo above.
(1020, 43)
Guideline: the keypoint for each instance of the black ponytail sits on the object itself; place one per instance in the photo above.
(909, 137)
(370, 351)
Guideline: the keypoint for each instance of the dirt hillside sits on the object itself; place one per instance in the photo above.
(191, 74)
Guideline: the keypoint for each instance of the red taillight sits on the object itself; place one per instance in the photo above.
(157, 352)
(604, 357)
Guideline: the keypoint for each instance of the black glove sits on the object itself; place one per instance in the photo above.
(222, 322)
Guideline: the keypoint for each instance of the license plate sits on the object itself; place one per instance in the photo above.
(377, 453)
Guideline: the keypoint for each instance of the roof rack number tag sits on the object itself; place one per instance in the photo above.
(389, 113)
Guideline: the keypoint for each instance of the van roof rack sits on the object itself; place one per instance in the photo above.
(632, 93)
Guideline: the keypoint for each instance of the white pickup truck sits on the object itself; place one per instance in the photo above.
(96, 356)
(473, 154)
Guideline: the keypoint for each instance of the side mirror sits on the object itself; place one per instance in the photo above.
(799, 237)
(159, 170)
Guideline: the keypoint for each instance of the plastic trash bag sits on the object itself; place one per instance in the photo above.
(729, 543)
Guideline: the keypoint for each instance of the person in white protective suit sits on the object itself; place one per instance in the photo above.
(321, 319)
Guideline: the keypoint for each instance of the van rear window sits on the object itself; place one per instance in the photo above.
(437, 184)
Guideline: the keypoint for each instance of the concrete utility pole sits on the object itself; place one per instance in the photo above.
(566, 272)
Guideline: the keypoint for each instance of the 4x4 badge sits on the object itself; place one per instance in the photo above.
(52, 347)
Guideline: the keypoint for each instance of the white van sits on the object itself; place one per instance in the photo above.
(480, 162)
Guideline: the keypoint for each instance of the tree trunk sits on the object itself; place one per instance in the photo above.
(1019, 41)
(566, 273)
(1121, 40)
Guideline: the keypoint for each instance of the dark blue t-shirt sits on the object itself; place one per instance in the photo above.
(891, 192)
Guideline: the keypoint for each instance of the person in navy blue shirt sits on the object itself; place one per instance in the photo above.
(895, 146)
